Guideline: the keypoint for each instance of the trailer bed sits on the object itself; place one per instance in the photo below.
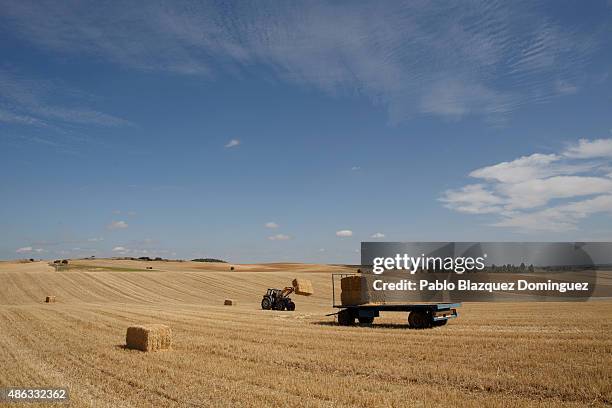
(420, 314)
(401, 307)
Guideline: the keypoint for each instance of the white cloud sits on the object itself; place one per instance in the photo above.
(523, 168)
(433, 57)
(586, 149)
(517, 191)
(279, 237)
(538, 192)
(232, 143)
(560, 218)
(271, 224)
(473, 199)
(344, 233)
(117, 225)
(120, 249)
(377, 235)
(95, 239)
(355, 168)
(545, 220)
(531, 167)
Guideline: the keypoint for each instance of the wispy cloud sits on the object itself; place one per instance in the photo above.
(542, 191)
(279, 237)
(271, 224)
(344, 233)
(30, 102)
(232, 143)
(142, 248)
(377, 235)
(117, 225)
(28, 249)
(481, 58)
(565, 87)
(14, 118)
(130, 213)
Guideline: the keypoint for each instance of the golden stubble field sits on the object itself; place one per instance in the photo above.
(520, 354)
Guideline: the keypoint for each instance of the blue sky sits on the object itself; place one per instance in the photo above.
(275, 131)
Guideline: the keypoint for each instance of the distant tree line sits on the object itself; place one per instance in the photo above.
(208, 260)
(143, 258)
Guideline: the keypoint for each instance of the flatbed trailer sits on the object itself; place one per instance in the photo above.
(420, 315)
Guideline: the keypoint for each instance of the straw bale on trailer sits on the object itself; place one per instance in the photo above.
(152, 337)
(350, 298)
(351, 290)
(303, 287)
(229, 302)
(50, 299)
(358, 289)
(351, 283)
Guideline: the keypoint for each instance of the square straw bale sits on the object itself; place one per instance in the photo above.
(151, 337)
(303, 287)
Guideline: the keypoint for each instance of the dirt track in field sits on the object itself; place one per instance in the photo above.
(232, 356)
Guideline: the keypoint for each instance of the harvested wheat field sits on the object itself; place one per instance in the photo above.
(241, 356)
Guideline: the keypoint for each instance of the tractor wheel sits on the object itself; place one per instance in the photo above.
(266, 304)
(419, 320)
(366, 319)
(346, 318)
(279, 306)
(291, 306)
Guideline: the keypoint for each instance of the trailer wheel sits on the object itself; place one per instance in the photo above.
(419, 320)
(366, 319)
(439, 323)
(346, 318)
(291, 306)
(266, 304)
(411, 320)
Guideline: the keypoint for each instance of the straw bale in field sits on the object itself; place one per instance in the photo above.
(50, 299)
(150, 337)
(229, 302)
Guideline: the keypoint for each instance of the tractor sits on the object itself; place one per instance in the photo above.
(278, 299)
